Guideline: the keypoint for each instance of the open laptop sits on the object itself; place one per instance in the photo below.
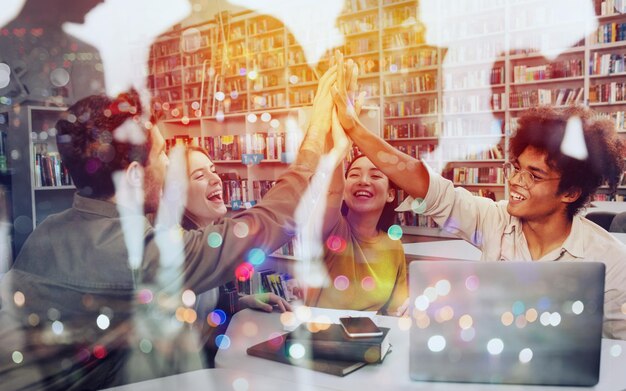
(506, 322)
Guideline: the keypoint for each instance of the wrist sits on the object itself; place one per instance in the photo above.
(315, 138)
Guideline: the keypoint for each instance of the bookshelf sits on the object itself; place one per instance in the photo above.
(453, 105)
(30, 133)
(51, 186)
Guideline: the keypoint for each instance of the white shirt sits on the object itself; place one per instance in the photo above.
(488, 226)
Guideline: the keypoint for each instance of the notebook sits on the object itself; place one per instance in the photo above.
(333, 343)
(506, 322)
(274, 349)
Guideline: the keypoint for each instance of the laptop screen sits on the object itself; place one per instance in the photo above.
(506, 322)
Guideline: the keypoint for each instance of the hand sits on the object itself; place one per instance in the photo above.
(264, 302)
(323, 103)
(340, 141)
(343, 92)
(404, 308)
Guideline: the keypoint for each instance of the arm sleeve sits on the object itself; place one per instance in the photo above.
(461, 213)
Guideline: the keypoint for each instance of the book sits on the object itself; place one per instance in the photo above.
(334, 343)
(274, 349)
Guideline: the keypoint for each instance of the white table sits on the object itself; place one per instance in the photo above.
(457, 249)
(249, 327)
(214, 379)
(606, 206)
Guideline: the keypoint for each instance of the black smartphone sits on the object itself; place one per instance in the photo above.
(360, 327)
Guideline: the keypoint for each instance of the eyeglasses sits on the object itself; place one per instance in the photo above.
(526, 178)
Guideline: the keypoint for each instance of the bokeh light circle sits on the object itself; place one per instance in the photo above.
(525, 355)
(368, 283)
(336, 243)
(244, 271)
(341, 283)
(297, 351)
(17, 357)
(394, 232)
(222, 341)
(256, 256)
(436, 343)
(214, 240)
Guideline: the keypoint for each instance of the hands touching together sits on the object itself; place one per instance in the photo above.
(335, 107)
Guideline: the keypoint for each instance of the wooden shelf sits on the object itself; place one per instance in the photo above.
(545, 81)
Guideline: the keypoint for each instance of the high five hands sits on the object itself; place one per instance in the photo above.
(337, 105)
(348, 105)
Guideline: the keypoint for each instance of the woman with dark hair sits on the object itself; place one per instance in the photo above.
(366, 266)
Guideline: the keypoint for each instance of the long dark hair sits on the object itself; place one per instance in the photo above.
(388, 215)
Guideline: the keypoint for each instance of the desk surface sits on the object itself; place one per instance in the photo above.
(457, 249)
(606, 206)
(214, 379)
(250, 327)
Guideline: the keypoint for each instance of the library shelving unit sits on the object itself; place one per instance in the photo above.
(454, 106)
(51, 186)
(40, 185)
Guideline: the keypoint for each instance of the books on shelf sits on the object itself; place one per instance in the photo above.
(617, 117)
(610, 7)
(607, 64)
(269, 281)
(50, 170)
(475, 175)
(362, 24)
(473, 78)
(426, 82)
(472, 103)
(232, 147)
(359, 5)
(472, 151)
(412, 60)
(421, 151)
(612, 92)
(414, 129)
(563, 69)
(411, 107)
(234, 189)
(545, 96)
(610, 32)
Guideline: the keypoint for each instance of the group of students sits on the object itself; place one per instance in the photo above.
(77, 266)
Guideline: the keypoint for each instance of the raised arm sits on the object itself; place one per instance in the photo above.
(341, 145)
(268, 225)
(407, 172)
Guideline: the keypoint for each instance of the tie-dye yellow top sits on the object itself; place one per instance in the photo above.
(364, 274)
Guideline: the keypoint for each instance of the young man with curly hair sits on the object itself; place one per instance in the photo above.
(550, 181)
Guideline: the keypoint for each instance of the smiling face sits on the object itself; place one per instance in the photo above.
(367, 188)
(204, 196)
(541, 200)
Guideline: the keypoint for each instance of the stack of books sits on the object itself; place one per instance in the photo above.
(324, 348)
